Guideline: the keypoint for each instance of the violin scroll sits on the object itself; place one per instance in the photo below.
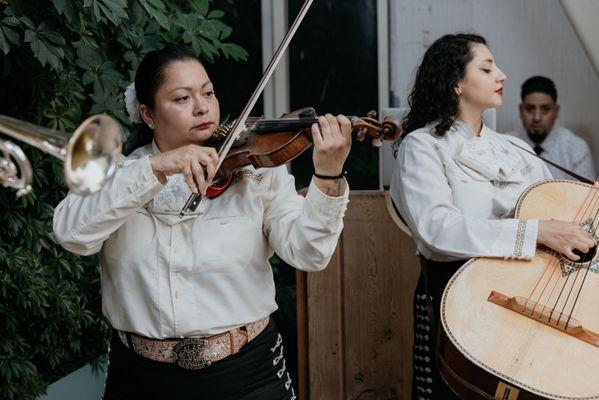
(388, 129)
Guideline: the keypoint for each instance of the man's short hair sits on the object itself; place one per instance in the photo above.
(538, 84)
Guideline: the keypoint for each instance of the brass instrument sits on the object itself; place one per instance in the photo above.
(90, 156)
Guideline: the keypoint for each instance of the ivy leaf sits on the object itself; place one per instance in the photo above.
(11, 21)
(4, 45)
(215, 14)
(46, 45)
(27, 22)
(44, 54)
(114, 10)
(200, 6)
(66, 8)
(87, 58)
(107, 102)
(234, 51)
(156, 9)
(11, 35)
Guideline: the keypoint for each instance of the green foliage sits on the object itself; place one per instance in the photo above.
(50, 304)
(60, 61)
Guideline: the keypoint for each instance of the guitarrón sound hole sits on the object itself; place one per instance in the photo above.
(585, 257)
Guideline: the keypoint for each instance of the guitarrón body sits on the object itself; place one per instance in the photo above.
(540, 348)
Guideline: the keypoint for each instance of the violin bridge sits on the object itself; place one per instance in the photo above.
(545, 315)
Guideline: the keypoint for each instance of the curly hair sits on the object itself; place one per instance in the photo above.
(433, 97)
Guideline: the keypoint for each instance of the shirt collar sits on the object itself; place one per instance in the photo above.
(154, 150)
(549, 142)
(552, 138)
(465, 129)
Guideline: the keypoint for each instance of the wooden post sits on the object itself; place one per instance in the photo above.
(357, 320)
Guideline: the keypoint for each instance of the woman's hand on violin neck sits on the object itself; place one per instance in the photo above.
(564, 237)
(196, 163)
(332, 142)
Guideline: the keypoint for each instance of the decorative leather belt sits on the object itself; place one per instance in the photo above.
(193, 353)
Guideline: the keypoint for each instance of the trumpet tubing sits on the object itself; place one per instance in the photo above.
(90, 155)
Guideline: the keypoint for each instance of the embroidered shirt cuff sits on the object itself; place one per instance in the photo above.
(529, 245)
(143, 185)
(332, 209)
(517, 238)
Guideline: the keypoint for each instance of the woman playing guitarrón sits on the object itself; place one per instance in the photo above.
(456, 184)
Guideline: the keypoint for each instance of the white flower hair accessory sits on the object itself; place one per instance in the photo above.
(132, 104)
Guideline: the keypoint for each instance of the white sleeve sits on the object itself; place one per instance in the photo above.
(421, 191)
(302, 231)
(82, 223)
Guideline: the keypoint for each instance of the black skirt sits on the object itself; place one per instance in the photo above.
(257, 372)
(427, 383)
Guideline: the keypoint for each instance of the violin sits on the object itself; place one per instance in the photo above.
(267, 143)
(270, 143)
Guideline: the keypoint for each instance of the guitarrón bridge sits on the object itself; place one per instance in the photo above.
(545, 315)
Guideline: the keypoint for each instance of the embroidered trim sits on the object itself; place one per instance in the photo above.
(246, 174)
(520, 238)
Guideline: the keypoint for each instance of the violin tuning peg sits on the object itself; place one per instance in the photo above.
(371, 114)
(361, 135)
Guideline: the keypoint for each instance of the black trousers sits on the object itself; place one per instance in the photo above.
(427, 383)
(257, 372)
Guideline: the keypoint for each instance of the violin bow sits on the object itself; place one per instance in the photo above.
(239, 125)
(563, 169)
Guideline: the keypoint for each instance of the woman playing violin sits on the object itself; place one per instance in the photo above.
(456, 184)
(190, 298)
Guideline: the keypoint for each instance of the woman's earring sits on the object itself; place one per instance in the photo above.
(151, 125)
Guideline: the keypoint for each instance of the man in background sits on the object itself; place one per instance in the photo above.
(539, 111)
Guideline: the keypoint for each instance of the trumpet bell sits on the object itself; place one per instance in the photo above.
(92, 154)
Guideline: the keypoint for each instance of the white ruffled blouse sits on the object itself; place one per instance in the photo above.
(457, 193)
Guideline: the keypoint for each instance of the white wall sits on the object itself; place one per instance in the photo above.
(527, 38)
(583, 15)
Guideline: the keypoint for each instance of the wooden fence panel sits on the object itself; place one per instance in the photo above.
(357, 314)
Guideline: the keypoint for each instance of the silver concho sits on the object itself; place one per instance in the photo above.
(190, 353)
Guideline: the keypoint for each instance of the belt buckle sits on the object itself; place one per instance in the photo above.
(190, 353)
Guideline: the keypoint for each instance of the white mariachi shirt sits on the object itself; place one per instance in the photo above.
(564, 148)
(206, 273)
(457, 193)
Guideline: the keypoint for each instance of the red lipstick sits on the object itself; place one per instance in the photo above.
(499, 91)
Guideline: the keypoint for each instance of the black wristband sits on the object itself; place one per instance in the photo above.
(341, 175)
